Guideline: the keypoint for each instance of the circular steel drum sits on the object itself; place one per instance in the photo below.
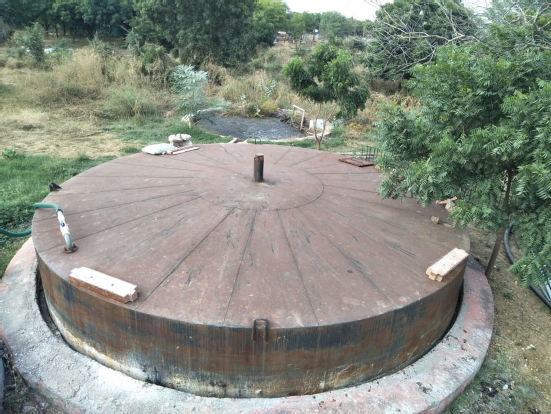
(305, 282)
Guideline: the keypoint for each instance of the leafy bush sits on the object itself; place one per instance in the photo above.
(251, 109)
(132, 42)
(155, 63)
(34, 41)
(100, 47)
(269, 90)
(216, 74)
(190, 86)
(10, 154)
(268, 108)
(60, 53)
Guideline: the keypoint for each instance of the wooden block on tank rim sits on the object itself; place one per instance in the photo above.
(447, 264)
(103, 284)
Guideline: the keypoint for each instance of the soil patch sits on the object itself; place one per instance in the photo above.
(33, 132)
(246, 128)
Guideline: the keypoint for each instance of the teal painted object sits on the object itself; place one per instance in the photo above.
(27, 232)
(11, 234)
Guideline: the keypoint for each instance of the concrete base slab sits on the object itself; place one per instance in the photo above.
(80, 384)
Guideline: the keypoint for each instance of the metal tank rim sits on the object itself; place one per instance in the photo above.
(77, 383)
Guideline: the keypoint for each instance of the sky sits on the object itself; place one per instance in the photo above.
(359, 9)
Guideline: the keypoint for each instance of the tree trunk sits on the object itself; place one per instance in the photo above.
(495, 252)
(501, 232)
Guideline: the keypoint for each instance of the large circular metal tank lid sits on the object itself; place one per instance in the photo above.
(304, 282)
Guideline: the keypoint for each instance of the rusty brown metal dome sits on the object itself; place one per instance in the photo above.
(304, 282)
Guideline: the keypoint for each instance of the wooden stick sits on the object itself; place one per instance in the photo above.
(103, 284)
(181, 151)
(446, 264)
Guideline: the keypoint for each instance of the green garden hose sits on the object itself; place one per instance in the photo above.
(11, 234)
(69, 246)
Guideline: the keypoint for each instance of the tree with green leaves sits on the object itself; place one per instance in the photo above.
(311, 21)
(69, 16)
(327, 77)
(333, 23)
(85, 15)
(22, 13)
(296, 28)
(104, 15)
(199, 30)
(269, 17)
(33, 40)
(406, 33)
(189, 86)
(482, 133)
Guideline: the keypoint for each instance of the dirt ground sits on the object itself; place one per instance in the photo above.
(56, 133)
(516, 375)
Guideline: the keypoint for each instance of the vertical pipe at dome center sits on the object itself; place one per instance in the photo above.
(259, 168)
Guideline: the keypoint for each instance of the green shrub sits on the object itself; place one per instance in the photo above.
(34, 41)
(132, 42)
(10, 154)
(268, 108)
(190, 87)
(100, 47)
(155, 63)
(60, 53)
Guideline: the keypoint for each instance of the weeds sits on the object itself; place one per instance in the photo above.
(128, 102)
(18, 391)
(130, 150)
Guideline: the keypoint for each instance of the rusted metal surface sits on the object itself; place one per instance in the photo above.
(305, 282)
(259, 168)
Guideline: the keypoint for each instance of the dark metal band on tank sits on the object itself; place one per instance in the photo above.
(223, 361)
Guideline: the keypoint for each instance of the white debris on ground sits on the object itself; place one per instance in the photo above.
(180, 140)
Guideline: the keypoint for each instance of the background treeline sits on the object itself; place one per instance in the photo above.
(225, 31)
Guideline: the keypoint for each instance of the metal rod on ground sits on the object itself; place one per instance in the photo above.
(259, 168)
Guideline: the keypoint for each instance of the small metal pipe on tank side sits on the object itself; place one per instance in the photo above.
(70, 247)
(259, 168)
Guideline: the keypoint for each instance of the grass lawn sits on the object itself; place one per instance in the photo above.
(25, 181)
